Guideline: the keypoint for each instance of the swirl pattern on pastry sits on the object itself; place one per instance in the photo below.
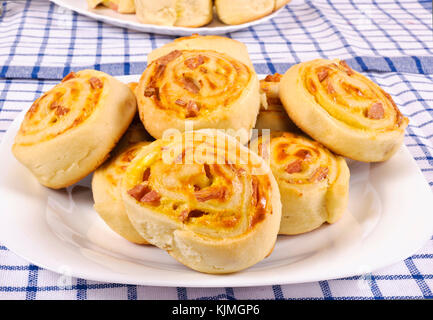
(51, 115)
(342, 109)
(207, 87)
(198, 197)
(313, 182)
(70, 129)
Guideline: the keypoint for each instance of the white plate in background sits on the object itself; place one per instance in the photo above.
(389, 218)
(130, 20)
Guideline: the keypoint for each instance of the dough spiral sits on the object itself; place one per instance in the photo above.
(198, 197)
(208, 88)
(313, 182)
(70, 129)
(342, 109)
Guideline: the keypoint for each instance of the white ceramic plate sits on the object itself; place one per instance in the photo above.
(388, 219)
(130, 21)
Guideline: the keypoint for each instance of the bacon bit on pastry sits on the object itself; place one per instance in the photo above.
(319, 174)
(146, 174)
(203, 69)
(230, 222)
(151, 197)
(218, 193)
(322, 75)
(54, 105)
(254, 192)
(207, 171)
(330, 88)
(376, 111)
(346, 67)
(60, 111)
(138, 191)
(70, 75)
(194, 62)
(190, 85)
(263, 150)
(129, 155)
(169, 57)
(311, 86)
(150, 91)
(192, 109)
(273, 77)
(259, 202)
(95, 83)
(196, 213)
(303, 154)
(34, 107)
(180, 157)
(183, 215)
(160, 68)
(180, 102)
(294, 167)
(260, 214)
(186, 214)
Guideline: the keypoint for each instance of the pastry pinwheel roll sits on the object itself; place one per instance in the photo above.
(342, 109)
(208, 89)
(107, 179)
(182, 13)
(204, 198)
(70, 130)
(242, 11)
(272, 115)
(313, 182)
(121, 6)
(231, 47)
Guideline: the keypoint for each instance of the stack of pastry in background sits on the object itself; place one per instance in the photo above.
(192, 13)
(207, 191)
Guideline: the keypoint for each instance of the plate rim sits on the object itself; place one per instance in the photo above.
(241, 279)
(166, 30)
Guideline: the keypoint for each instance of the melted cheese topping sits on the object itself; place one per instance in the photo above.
(349, 97)
(193, 83)
(195, 181)
(116, 168)
(296, 159)
(62, 108)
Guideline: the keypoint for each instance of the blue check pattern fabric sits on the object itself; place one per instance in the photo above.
(390, 41)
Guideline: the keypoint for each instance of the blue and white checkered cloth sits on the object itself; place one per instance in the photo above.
(388, 40)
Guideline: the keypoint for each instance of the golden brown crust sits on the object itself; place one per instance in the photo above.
(208, 88)
(342, 109)
(313, 182)
(69, 130)
(213, 202)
